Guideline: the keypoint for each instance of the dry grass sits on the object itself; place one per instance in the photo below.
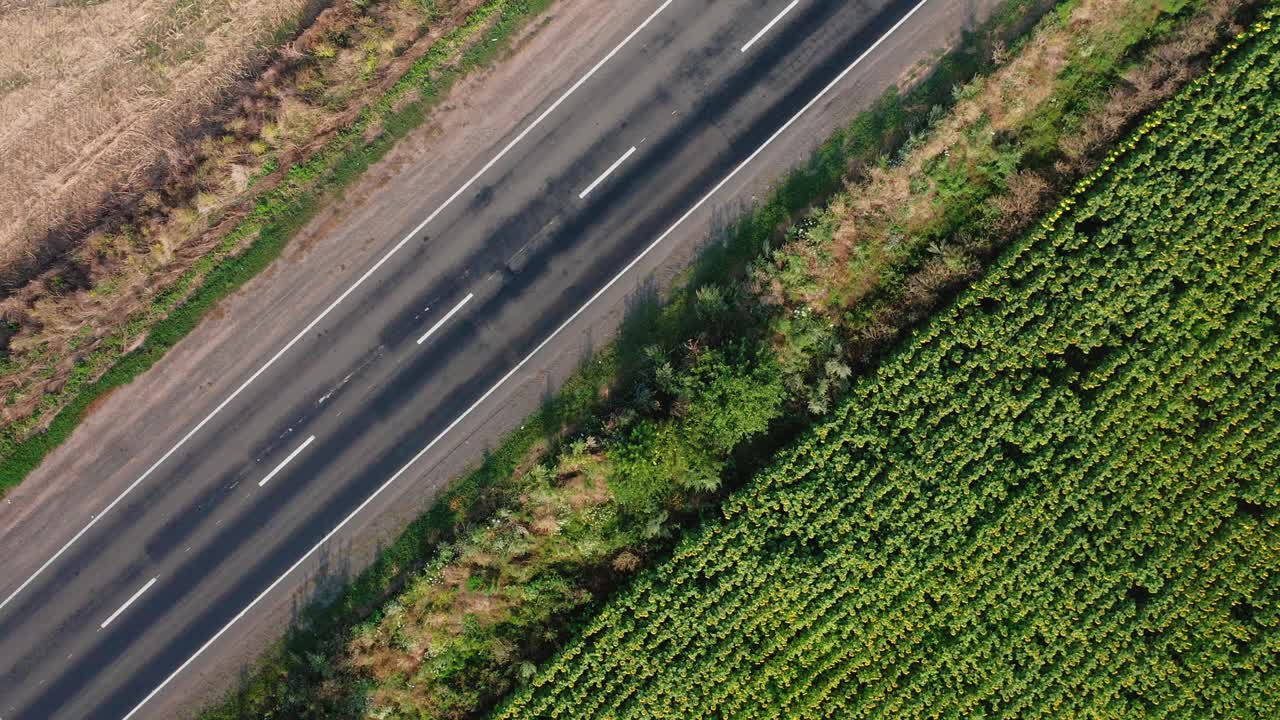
(891, 208)
(93, 97)
(454, 608)
(890, 202)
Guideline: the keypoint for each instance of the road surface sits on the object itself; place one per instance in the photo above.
(492, 271)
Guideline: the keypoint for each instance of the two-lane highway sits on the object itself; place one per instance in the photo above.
(530, 235)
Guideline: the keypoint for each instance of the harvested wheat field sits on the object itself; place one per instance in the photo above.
(95, 93)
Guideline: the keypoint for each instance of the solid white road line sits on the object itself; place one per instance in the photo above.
(496, 158)
(776, 19)
(445, 319)
(604, 175)
(127, 603)
(286, 461)
(525, 361)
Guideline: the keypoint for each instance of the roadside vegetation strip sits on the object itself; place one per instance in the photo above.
(263, 234)
(1055, 497)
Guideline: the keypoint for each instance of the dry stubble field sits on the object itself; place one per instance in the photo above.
(95, 93)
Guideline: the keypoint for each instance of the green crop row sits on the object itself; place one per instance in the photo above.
(1057, 498)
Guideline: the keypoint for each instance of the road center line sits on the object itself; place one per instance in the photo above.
(622, 273)
(582, 195)
(445, 319)
(127, 603)
(286, 461)
(303, 333)
(776, 19)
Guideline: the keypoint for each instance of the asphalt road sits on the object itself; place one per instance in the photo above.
(555, 214)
